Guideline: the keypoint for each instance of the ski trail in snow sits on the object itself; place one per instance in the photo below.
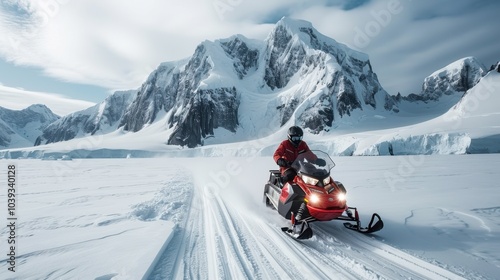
(389, 262)
(225, 237)
(162, 219)
(178, 255)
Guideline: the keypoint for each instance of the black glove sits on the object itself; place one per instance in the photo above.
(282, 162)
(320, 162)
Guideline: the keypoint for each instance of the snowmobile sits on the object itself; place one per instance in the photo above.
(313, 196)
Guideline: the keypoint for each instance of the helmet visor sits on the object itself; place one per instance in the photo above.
(296, 138)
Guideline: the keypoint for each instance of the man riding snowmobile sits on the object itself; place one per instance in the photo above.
(303, 190)
(288, 151)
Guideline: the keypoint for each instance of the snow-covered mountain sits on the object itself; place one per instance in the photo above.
(470, 126)
(238, 90)
(306, 78)
(195, 107)
(20, 128)
(334, 79)
(445, 87)
(103, 118)
(301, 77)
(458, 77)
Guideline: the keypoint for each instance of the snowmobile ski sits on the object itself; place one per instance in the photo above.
(299, 232)
(379, 224)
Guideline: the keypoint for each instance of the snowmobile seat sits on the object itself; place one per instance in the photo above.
(275, 178)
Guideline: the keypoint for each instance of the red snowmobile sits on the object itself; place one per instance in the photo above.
(313, 196)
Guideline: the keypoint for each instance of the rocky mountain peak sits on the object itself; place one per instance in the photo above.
(287, 28)
(40, 109)
(296, 48)
(245, 58)
(34, 113)
(457, 77)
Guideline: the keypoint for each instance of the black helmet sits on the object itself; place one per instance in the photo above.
(295, 134)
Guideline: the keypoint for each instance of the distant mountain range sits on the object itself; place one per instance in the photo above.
(234, 89)
(101, 118)
(21, 128)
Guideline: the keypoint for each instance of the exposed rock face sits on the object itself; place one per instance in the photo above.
(207, 110)
(167, 88)
(458, 77)
(295, 48)
(245, 59)
(194, 112)
(284, 58)
(445, 87)
(101, 118)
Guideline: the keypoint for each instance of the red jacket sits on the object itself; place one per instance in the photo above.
(289, 152)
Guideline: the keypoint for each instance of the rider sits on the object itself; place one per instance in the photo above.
(288, 151)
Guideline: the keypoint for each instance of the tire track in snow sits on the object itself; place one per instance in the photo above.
(179, 259)
(390, 262)
(266, 257)
(235, 241)
(221, 239)
(229, 261)
(239, 249)
(307, 263)
(245, 237)
(217, 242)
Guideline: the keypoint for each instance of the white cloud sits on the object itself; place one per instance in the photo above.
(18, 99)
(116, 44)
(109, 43)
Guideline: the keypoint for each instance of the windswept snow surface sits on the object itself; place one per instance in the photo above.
(203, 218)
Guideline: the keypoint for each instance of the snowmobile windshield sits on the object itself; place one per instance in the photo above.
(316, 164)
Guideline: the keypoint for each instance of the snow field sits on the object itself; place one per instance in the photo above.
(97, 220)
(199, 218)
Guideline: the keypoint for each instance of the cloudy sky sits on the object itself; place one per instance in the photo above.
(86, 49)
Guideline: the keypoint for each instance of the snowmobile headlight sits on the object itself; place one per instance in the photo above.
(326, 181)
(314, 198)
(341, 196)
(310, 181)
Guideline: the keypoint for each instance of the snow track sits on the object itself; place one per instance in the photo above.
(204, 218)
(373, 257)
(226, 237)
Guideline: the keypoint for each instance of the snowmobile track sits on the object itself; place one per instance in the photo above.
(222, 240)
(370, 252)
